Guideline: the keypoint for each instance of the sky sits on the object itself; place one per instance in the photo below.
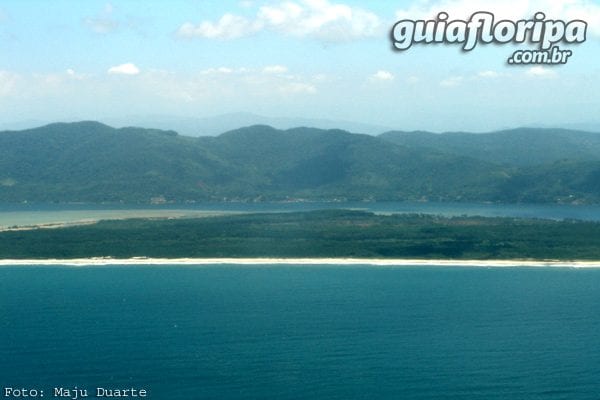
(66, 60)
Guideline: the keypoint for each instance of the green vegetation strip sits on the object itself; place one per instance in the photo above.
(332, 233)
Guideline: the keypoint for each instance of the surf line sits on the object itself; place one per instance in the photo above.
(144, 261)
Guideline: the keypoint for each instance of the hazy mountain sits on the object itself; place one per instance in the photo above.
(92, 162)
(563, 181)
(89, 161)
(517, 147)
(588, 126)
(335, 163)
(216, 125)
(22, 124)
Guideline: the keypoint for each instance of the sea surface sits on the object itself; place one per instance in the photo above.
(35, 214)
(291, 332)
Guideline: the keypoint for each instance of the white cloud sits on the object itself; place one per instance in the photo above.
(4, 16)
(488, 74)
(586, 10)
(156, 90)
(541, 72)
(491, 74)
(413, 79)
(219, 83)
(221, 70)
(228, 27)
(36, 85)
(71, 73)
(8, 82)
(313, 18)
(101, 25)
(320, 19)
(320, 78)
(268, 70)
(275, 69)
(452, 81)
(104, 22)
(463, 9)
(382, 75)
(298, 87)
(124, 69)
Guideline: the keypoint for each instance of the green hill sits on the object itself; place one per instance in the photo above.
(563, 181)
(515, 147)
(88, 161)
(304, 162)
(92, 162)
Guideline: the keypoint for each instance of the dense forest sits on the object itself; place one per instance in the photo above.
(332, 233)
(92, 162)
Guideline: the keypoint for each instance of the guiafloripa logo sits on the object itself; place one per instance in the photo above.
(482, 28)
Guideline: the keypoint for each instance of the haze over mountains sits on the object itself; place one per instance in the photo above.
(215, 125)
(92, 162)
(517, 147)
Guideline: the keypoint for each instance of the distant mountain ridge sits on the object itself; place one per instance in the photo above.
(92, 162)
(519, 147)
(215, 125)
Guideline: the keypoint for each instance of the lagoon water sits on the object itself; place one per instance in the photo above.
(290, 332)
(36, 214)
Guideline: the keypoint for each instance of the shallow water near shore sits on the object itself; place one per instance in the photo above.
(249, 332)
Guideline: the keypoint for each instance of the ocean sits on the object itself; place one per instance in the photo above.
(301, 332)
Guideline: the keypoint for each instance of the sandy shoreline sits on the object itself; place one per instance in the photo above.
(50, 225)
(302, 262)
(11, 223)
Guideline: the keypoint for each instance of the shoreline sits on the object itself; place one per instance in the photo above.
(49, 225)
(111, 215)
(266, 261)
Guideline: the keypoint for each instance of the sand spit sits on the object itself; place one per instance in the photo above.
(82, 262)
(70, 218)
(50, 225)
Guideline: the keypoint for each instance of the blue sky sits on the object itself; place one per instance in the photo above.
(66, 60)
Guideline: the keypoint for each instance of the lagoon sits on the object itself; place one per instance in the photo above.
(51, 214)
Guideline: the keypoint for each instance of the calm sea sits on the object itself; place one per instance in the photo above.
(233, 332)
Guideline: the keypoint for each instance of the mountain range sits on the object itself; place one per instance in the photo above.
(92, 162)
(214, 125)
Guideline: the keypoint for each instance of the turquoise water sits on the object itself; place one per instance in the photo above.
(234, 332)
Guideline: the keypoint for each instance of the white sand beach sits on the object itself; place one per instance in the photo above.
(141, 261)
